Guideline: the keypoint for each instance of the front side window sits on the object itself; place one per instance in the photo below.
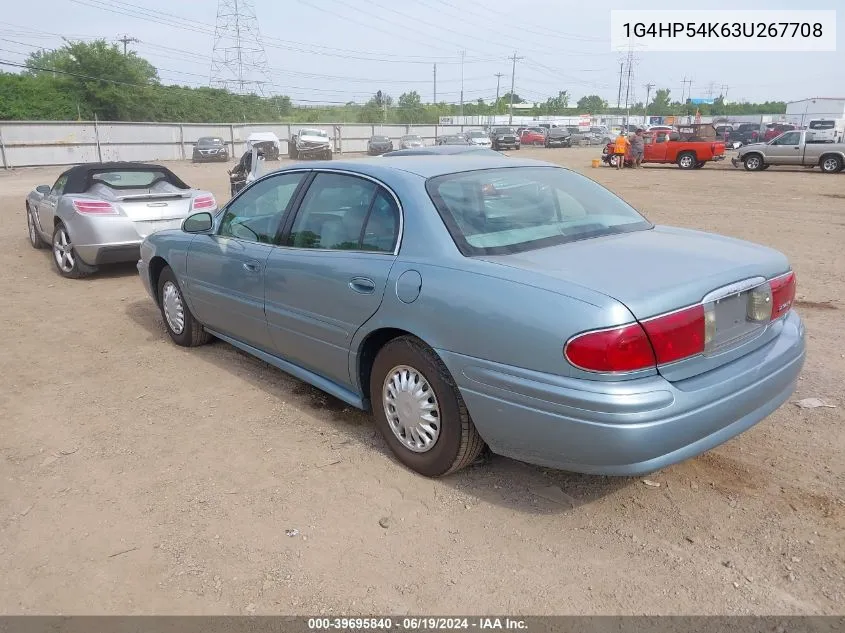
(789, 138)
(257, 213)
(501, 211)
(342, 212)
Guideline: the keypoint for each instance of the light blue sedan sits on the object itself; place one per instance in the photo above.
(472, 300)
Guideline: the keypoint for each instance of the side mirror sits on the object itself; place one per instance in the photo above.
(198, 223)
(43, 189)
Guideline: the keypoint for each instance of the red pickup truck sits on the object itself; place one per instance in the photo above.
(687, 148)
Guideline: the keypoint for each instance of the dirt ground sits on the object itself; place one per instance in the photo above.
(140, 477)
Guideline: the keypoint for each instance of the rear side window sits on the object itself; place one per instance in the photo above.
(822, 125)
(342, 212)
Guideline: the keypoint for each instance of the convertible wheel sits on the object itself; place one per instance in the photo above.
(35, 238)
(180, 323)
(419, 410)
(65, 257)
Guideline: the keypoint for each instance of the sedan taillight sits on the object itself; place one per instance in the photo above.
(673, 336)
(94, 207)
(205, 201)
(783, 294)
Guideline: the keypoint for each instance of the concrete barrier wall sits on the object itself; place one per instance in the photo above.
(26, 144)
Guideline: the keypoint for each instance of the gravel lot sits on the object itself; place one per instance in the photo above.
(140, 477)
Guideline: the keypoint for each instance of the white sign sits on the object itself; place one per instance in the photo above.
(723, 31)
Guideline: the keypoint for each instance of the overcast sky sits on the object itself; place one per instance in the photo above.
(338, 51)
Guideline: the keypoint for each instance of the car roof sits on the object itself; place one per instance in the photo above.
(437, 149)
(424, 166)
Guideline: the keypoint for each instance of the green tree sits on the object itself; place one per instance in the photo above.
(660, 105)
(410, 108)
(557, 105)
(592, 104)
(99, 75)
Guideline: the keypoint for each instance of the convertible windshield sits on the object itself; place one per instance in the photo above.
(129, 179)
(501, 211)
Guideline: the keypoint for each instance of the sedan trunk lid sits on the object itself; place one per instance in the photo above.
(656, 271)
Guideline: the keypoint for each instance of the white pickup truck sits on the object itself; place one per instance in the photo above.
(791, 148)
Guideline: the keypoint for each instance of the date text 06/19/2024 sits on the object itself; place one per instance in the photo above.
(417, 624)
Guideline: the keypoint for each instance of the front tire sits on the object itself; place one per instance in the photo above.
(419, 410)
(181, 325)
(66, 259)
(753, 162)
(35, 239)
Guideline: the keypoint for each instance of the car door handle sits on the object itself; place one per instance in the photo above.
(363, 285)
(252, 267)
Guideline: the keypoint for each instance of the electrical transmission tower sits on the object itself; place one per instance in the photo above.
(238, 61)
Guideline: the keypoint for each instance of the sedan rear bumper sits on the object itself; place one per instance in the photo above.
(628, 427)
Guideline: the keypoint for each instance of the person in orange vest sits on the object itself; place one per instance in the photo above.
(620, 148)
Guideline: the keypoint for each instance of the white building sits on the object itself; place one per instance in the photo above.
(801, 112)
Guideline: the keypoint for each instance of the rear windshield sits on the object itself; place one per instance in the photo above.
(822, 125)
(129, 179)
(501, 211)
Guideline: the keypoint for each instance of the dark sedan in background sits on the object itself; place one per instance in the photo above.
(210, 148)
(378, 145)
(559, 137)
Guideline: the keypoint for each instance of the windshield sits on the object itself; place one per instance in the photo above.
(822, 125)
(477, 134)
(501, 211)
(412, 137)
(502, 130)
(379, 139)
(209, 140)
(312, 133)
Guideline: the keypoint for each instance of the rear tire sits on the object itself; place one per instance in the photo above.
(35, 239)
(687, 160)
(65, 257)
(830, 164)
(181, 325)
(416, 403)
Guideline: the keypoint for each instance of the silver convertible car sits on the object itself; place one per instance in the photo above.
(472, 300)
(98, 213)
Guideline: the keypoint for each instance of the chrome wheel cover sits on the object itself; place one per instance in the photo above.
(63, 251)
(686, 161)
(411, 408)
(753, 162)
(830, 164)
(174, 311)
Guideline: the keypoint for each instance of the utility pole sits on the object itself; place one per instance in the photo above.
(648, 88)
(619, 94)
(513, 82)
(628, 84)
(126, 40)
(463, 54)
(435, 84)
(498, 80)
